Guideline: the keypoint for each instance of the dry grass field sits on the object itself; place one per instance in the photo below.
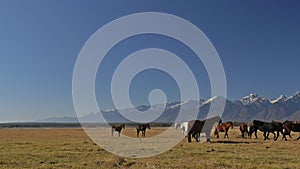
(72, 148)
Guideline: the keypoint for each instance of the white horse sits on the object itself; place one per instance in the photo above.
(183, 126)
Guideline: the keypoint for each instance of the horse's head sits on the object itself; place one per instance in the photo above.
(148, 126)
(230, 124)
(123, 126)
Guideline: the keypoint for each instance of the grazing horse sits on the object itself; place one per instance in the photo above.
(266, 128)
(243, 129)
(142, 127)
(223, 127)
(291, 126)
(195, 127)
(117, 128)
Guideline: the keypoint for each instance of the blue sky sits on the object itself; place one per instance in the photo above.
(257, 41)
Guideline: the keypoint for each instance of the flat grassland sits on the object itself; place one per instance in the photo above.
(72, 148)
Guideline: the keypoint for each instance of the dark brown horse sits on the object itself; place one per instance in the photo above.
(266, 128)
(223, 127)
(195, 127)
(142, 128)
(117, 128)
(290, 126)
(244, 129)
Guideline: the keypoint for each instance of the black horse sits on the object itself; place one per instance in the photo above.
(142, 128)
(291, 126)
(266, 128)
(195, 127)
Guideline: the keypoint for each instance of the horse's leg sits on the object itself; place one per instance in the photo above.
(207, 136)
(265, 135)
(137, 133)
(226, 133)
(283, 135)
(217, 133)
(194, 136)
(277, 135)
(119, 133)
(250, 134)
(274, 135)
(112, 132)
(255, 133)
(189, 137)
(198, 137)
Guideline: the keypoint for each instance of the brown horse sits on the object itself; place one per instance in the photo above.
(117, 128)
(243, 129)
(223, 127)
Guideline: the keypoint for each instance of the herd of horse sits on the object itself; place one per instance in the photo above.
(275, 128)
(193, 128)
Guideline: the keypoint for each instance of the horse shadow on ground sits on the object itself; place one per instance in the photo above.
(231, 142)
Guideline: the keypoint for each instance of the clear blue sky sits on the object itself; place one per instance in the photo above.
(258, 43)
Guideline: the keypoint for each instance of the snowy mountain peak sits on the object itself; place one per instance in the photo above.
(280, 99)
(253, 98)
(253, 95)
(297, 94)
(214, 99)
(210, 100)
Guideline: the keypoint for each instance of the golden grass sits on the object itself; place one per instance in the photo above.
(72, 148)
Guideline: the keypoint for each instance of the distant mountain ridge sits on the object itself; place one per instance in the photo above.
(246, 109)
(59, 120)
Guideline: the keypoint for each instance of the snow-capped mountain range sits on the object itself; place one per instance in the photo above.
(245, 109)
